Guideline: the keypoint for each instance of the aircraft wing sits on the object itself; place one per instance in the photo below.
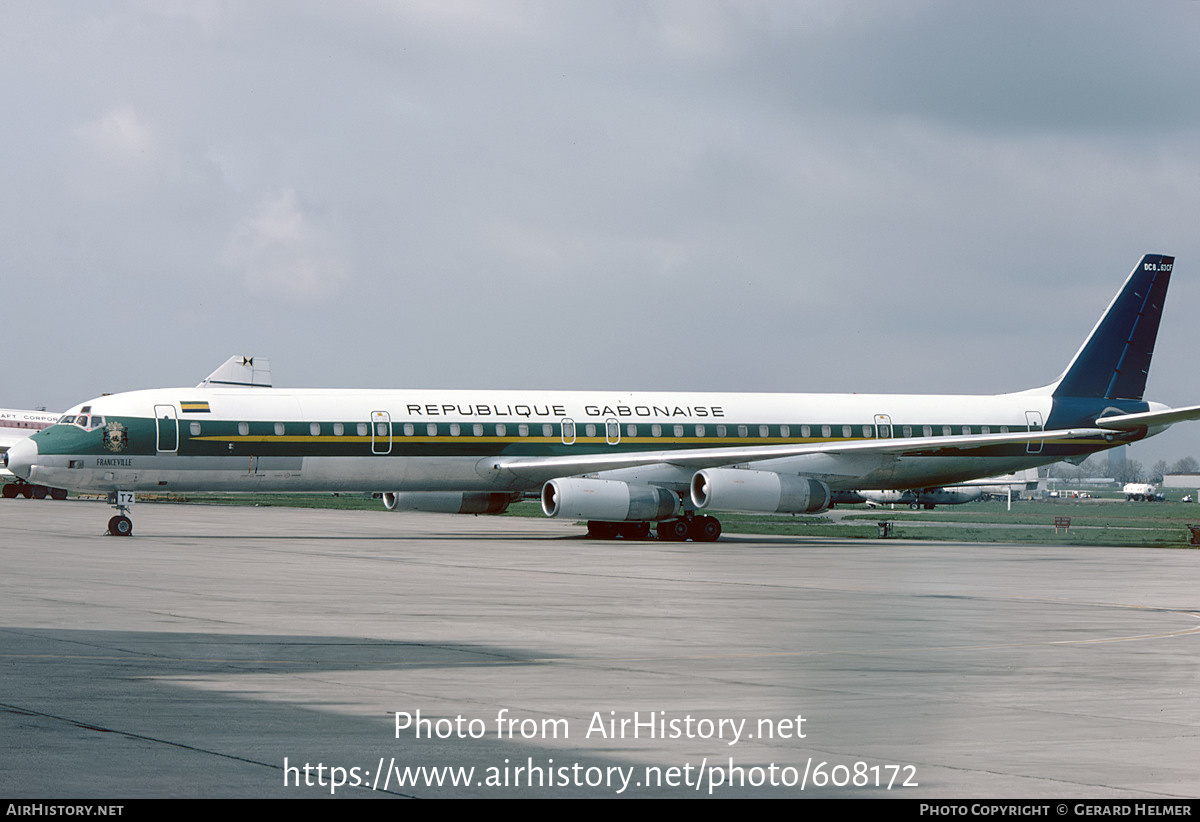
(697, 458)
(1132, 422)
(1019, 480)
(8, 437)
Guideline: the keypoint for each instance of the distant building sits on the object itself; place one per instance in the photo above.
(1191, 481)
(1116, 461)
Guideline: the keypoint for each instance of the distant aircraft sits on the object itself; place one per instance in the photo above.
(17, 424)
(927, 498)
(914, 498)
(619, 460)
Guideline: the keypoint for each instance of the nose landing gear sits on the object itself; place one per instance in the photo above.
(120, 525)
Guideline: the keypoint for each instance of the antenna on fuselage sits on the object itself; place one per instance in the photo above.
(242, 372)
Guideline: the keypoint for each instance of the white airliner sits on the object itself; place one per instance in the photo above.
(914, 498)
(17, 424)
(619, 460)
(927, 498)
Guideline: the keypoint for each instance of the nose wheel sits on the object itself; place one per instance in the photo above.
(120, 525)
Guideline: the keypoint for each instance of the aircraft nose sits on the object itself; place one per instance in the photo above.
(19, 458)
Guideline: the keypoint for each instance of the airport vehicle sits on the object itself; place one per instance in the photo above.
(619, 460)
(17, 424)
(1142, 492)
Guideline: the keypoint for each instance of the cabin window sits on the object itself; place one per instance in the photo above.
(721, 431)
(362, 429)
(381, 429)
(195, 429)
(764, 431)
(966, 430)
(866, 432)
(477, 429)
(631, 430)
(805, 431)
(927, 431)
(279, 429)
(409, 430)
(699, 430)
(985, 429)
(678, 429)
(338, 429)
(589, 430)
(612, 431)
(431, 429)
(947, 430)
(826, 431)
(314, 428)
(1004, 429)
(501, 429)
(548, 430)
(523, 430)
(243, 428)
(656, 430)
(906, 431)
(847, 431)
(742, 431)
(455, 429)
(785, 430)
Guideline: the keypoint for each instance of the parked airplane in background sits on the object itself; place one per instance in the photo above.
(959, 494)
(17, 424)
(619, 460)
(914, 498)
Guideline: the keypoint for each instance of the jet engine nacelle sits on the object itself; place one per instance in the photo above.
(607, 500)
(735, 489)
(447, 502)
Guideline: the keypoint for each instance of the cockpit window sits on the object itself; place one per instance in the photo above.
(83, 421)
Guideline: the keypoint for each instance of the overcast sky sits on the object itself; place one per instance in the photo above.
(761, 196)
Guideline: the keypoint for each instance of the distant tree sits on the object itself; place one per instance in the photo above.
(1094, 466)
(1132, 472)
(1187, 465)
(1156, 472)
(1064, 470)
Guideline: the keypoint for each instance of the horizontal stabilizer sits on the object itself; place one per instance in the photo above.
(1132, 422)
(242, 372)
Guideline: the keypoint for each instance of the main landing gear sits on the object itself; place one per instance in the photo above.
(701, 528)
(12, 490)
(597, 529)
(120, 525)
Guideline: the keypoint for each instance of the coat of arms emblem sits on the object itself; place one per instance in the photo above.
(115, 437)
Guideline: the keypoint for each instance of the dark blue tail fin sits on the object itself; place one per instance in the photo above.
(1115, 360)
